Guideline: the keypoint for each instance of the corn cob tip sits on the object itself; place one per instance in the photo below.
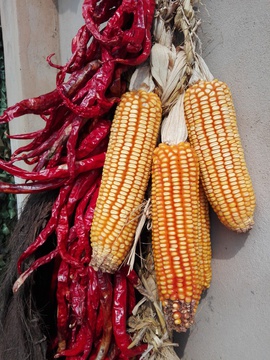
(179, 314)
(104, 262)
(248, 225)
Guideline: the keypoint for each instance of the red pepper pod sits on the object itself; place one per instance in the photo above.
(119, 317)
(106, 298)
(58, 172)
(35, 187)
(82, 341)
(98, 132)
(93, 300)
(35, 105)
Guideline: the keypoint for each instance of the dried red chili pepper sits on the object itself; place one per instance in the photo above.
(62, 231)
(35, 187)
(80, 187)
(103, 10)
(99, 326)
(37, 263)
(42, 103)
(49, 228)
(83, 249)
(89, 213)
(45, 149)
(72, 144)
(35, 105)
(78, 294)
(131, 294)
(106, 298)
(53, 123)
(119, 317)
(58, 172)
(82, 339)
(93, 300)
(62, 306)
(99, 130)
(26, 136)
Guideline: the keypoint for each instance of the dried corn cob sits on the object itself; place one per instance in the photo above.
(213, 132)
(175, 222)
(125, 178)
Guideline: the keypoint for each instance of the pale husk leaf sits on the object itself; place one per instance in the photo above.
(173, 82)
(173, 127)
(142, 79)
(160, 61)
(200, 71)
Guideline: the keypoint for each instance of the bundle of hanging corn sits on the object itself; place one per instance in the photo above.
(199, 161)
(134, 170)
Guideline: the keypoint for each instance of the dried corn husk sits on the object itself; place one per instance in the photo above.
(174, 64)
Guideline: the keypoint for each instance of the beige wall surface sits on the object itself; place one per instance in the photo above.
(30, 34)
(233, 319)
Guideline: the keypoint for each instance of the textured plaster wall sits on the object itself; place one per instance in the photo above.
(232, 321)
(30, 34)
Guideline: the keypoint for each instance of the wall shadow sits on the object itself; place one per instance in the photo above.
(225, 243)
(67, 5)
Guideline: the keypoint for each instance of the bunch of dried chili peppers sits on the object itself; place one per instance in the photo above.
(68, 154)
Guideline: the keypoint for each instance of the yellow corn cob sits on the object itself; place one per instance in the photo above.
(204, 242)
(125, 178)
(175, 212)
(213, 132)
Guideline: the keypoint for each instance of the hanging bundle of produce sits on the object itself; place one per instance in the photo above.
(117, 153)
(199, 160)
(89, 308)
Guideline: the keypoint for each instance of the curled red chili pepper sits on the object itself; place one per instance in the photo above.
(61, 171)
(119, 316)
(80, 343)
(35, 187)
(69, 153)
(106, 299)
(92, 140)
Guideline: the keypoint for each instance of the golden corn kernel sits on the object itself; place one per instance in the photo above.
(217, 143)
(180, 286)
(125, 177)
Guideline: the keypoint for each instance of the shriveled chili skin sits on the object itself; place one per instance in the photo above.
(41, 104)
(78, 348)
(106, 300)
(93, 300)
(62, 307)
(48, 229)
(30, 188)
(119, 316)
(69, 154)
(61, 171)
(99, 131)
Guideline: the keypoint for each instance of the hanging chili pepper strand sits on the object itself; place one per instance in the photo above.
(69, 153)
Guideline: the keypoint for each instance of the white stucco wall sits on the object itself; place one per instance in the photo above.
(30, 34)
(232, 321)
